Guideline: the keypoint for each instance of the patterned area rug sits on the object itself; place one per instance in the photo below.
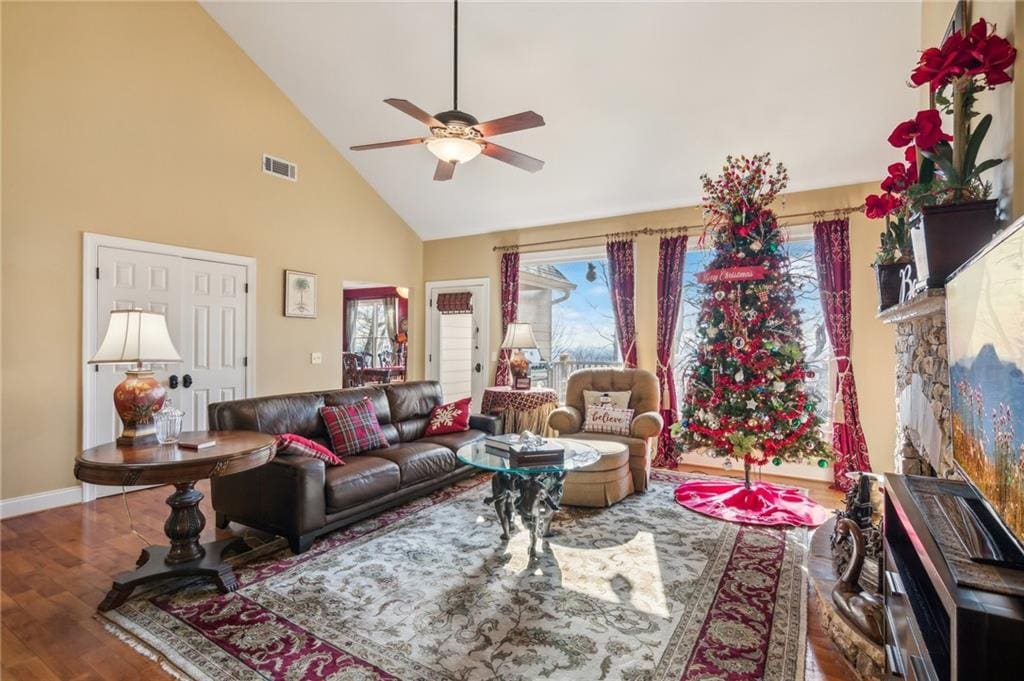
(643, 591)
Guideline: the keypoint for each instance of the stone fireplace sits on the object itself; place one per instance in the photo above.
(923, 432)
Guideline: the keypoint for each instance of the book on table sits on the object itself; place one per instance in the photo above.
(196, 441)
(511, 443)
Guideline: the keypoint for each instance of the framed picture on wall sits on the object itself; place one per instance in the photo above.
(299, 294)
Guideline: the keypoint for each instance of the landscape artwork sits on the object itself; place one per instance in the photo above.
(299, 294)
(985, 322)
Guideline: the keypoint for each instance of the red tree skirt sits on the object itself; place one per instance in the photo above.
(762, 504)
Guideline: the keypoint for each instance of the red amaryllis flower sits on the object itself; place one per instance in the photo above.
(881, 205)
(992, 55)
(910, 156)
(899, 179)
(940, 65)
(925, 129)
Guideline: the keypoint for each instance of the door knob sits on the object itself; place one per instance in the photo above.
(173, 381)
(186, 381)
(477, 367)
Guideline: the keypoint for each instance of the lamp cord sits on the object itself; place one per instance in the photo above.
(131, 521)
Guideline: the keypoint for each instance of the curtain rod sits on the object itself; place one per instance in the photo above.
(665, 231)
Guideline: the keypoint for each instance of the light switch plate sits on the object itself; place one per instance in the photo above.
(316, 358)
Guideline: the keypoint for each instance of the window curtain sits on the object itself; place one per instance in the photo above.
(671, 258)
(351, 314)
(509, 310)
(832, 258)
(621, 283)
(391, 323)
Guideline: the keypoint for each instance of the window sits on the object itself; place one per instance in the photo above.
(564, 297)
(370, 337)
(817, 351)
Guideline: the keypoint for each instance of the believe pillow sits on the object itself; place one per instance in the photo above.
(619, 399)
(611, 420)
(290, 443)
(449, 418)
(353, 427)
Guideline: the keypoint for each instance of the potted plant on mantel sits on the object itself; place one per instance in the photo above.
(953, 214)
(894, 266)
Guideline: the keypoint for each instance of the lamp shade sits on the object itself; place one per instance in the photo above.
(136, 336)
(519, 336)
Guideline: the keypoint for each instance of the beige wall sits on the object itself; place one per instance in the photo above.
(144, 120)
(873, 343)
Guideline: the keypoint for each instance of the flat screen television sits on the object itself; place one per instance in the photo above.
(985, 339)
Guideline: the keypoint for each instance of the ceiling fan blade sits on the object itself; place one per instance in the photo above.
(519, 121)
(383, 145)
(411, 109)
(527, 163)
(444, 171)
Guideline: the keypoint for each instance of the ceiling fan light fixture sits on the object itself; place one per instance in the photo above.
(454, 149)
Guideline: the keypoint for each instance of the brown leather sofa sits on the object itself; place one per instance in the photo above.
(301, 498)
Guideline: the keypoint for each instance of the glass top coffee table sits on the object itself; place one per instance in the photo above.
(534, 491)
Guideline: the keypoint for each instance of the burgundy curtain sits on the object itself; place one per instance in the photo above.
(620, 281)
(832, 257)
(509, 310)
(671, 256)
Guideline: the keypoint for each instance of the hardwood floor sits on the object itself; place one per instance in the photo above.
(57, 565)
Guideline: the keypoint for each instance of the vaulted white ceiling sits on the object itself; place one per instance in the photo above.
(639, 98)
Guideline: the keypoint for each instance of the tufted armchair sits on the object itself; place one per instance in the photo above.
(645, 401)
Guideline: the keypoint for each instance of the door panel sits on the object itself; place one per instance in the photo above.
(456, 357)
(130, 279)
(213, 337)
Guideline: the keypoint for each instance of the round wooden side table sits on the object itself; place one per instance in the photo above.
(235, 451)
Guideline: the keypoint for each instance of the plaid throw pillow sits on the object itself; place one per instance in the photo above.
(609, 420)
(353, 428)
(449, 418)
(290, 443)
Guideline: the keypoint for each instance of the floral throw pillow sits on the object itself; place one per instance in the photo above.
(353, 428)
(611, 420)
(290, 443)
(449, 418)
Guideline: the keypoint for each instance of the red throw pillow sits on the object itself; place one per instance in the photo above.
(290, 443)
(449, 418)
(353, 427)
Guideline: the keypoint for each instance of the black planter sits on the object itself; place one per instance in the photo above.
(892, 279)
(946, 237)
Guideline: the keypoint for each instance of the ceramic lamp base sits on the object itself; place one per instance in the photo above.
(519, 367)
(136, 399)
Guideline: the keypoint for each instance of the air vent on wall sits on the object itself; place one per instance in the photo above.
(280, 167)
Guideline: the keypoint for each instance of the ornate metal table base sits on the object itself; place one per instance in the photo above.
(534, 496)
(185, 557)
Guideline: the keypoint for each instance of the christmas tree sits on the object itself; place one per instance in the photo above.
(746, 396)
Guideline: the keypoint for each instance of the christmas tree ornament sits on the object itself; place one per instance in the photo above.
(777, 461)
(719, 295)
(739, 342)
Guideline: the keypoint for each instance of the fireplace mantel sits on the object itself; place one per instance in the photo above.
(923, 439)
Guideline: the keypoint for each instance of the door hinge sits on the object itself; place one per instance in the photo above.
(97, 272)
(245, 361)
(246, 288)
(431, 302)
(430, 358)
(96, 367)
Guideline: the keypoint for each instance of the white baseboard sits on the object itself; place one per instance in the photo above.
(41, 501)
(789, 470)
(92, 492)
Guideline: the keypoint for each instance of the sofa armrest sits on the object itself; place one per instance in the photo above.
(285, 495)
(488, 423)
(566, 420)
(647, 424)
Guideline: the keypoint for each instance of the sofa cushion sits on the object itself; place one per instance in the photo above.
(377, 397)
(606, 419)
(418, 461)
(353, 428)
(449, 418)
(275, 414)
(361, 479)
(411, 404)
(290, 443)
(454, 441)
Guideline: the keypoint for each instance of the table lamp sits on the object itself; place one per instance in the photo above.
(137, 336)
(519, 337)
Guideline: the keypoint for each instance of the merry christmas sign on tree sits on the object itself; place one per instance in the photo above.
(746, 391)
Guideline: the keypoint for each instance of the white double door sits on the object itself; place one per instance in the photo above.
(204, 302)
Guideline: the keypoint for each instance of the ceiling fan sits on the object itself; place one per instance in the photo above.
(457, 137)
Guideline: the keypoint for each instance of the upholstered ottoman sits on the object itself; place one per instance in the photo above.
(603, 483)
